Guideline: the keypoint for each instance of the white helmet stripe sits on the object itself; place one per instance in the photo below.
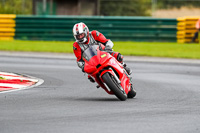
(80, 27)
(74, 29)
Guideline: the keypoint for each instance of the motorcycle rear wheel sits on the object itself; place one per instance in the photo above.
(114, 86)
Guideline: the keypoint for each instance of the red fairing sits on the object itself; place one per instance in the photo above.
(103, 62)
(90, 66)
(125, 82)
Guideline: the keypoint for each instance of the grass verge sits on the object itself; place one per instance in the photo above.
(155, 49)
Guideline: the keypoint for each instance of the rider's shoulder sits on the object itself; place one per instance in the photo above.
(95, 33)
(75, 44)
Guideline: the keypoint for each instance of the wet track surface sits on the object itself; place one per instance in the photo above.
(167, 101)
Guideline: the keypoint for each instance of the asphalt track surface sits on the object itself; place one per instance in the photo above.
(167, 101)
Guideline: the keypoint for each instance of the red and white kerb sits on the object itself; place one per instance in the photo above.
(11, 81)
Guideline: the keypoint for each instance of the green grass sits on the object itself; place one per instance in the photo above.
(37, 46)
(156, 49)
(159, 49)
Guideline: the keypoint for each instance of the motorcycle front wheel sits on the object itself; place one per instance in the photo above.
(114, 86)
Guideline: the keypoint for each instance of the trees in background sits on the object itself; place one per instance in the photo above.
(15, 6)
(141, 7)
(106, 7)
(167, 4)
(125, 7)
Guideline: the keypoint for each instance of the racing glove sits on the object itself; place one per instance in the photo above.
(81, 65)
(108, 46)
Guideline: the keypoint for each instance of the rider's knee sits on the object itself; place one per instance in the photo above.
(117, 56)
(120, 58)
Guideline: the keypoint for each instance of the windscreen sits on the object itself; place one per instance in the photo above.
(90, 52)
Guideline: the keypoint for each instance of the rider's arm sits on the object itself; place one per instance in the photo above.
(99, 37)
(77, 52)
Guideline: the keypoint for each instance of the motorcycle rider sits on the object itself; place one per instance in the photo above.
(84, 38)
(197, 26)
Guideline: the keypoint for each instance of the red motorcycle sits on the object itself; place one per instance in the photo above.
(108, 72)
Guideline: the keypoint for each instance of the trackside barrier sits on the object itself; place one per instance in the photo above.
(115, 28)
(186, 28)
(7, 26)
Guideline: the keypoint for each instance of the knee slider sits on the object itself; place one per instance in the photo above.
(120, 58)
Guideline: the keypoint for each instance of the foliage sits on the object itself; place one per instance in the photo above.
(15, 6)
(107, 7)
(141, 7)
(177, 3)
(2, 77)
(125, 7)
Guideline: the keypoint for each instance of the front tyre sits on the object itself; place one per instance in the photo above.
(114, 86)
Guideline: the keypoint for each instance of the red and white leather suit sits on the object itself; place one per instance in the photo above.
(94, 35)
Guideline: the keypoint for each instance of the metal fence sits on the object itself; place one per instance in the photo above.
(115, 28)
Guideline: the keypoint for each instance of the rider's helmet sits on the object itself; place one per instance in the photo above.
(81, 32)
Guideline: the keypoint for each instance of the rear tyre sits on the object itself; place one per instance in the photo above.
(114, 86)
(131, 93)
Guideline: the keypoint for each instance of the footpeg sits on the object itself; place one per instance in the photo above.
(98, 86)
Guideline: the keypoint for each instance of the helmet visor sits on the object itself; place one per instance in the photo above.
(80, 36)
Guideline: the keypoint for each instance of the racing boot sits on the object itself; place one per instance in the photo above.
(128, 70)
(120, 58)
